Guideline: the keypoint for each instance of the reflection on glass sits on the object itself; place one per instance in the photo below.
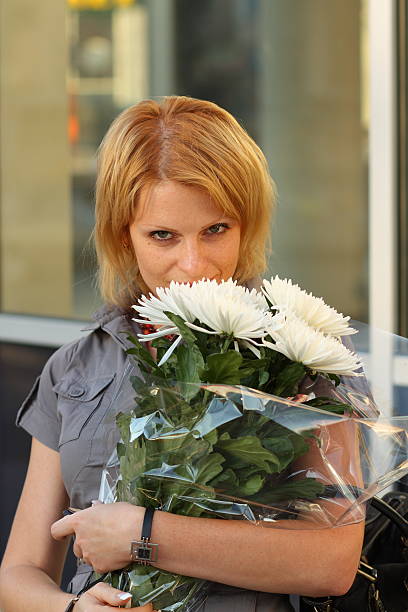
(107, 72)
(293, 75)
(289, 78)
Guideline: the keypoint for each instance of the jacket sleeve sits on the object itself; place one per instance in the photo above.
(38, 413)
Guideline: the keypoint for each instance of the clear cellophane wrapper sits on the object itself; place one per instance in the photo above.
(229, 452)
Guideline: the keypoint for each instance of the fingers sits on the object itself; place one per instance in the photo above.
(106, 594)
(66, 526)
(77, 551)
(300, 397)
(103, 595)
(63, 528)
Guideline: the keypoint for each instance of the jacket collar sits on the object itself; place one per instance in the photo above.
(115, 321)
(108, 312)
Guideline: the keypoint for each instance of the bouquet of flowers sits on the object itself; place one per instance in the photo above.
(241, 416)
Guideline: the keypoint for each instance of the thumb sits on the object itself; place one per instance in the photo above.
(109, 595)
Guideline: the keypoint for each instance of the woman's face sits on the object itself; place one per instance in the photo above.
(179, 234)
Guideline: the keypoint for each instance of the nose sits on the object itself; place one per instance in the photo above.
(193, 262)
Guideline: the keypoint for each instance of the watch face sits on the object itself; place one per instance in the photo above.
(144, 552)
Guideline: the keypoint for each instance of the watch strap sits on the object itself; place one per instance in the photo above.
(71, 604)
(143, 551)
(147, 524)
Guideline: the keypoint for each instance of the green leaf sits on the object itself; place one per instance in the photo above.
(144, 358)
(245, 473)
(225, 436)
(305, 488)
(185, 331)
(190, 364)
(123, 422)
(283, 449)
(223, 368)
(330, 405)
(288, 379)
(121, 449)
(334, 378)
(254, 363)
(141, 584)
(175, 450)
(249, 424)
(209, 467)
(134, 461)
(252, 485)
(248, 450)
(211, 437)
(226, 481)
(249, 366)
(263, 378)
(162, 345)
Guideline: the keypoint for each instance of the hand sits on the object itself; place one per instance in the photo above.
(104, 596)
(102, 534)
(299, 398)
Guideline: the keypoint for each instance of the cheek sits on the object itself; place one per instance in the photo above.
(234, 246)
(153, 263)
(146, 253)
(149, 261)
(229, 255)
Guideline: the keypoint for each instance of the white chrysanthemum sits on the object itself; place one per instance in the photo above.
(224, 308)
(319, 352)
(228, 308)
(313, 310)
(169, 299)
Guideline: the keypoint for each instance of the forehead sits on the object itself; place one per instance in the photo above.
(171, 201)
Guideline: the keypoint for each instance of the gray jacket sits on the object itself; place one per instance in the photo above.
(71, 409)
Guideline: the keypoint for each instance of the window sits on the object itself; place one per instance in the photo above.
(296, 79)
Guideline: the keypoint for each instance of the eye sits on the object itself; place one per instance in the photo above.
(161, 235)
(218, 228)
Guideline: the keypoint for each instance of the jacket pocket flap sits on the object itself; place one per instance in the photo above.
(77, 388)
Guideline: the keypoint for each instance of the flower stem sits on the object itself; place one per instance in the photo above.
(205, 401)
(226, 344)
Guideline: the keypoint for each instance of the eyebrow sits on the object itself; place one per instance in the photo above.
(160, 227)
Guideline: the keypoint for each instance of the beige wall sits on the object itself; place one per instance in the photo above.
(36, 240)
(315, 135)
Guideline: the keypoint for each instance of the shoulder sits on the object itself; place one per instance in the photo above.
(104, 344)
(75, 378)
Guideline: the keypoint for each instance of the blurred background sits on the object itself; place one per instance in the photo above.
(295, 74)
(321, 86)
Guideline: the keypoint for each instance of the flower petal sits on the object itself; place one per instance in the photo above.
(306, 306)
(300, 342)
(170, 350)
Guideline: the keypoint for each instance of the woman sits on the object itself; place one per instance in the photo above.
(182, 193)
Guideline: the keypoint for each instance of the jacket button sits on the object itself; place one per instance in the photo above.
(76, 391)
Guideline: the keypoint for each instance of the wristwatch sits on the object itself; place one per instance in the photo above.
(71, 604)
(143, 551)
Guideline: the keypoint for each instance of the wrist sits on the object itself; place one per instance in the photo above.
(70, 603)
(143, 551)
(133, 530)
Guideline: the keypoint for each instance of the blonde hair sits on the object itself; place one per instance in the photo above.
(193, 142)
